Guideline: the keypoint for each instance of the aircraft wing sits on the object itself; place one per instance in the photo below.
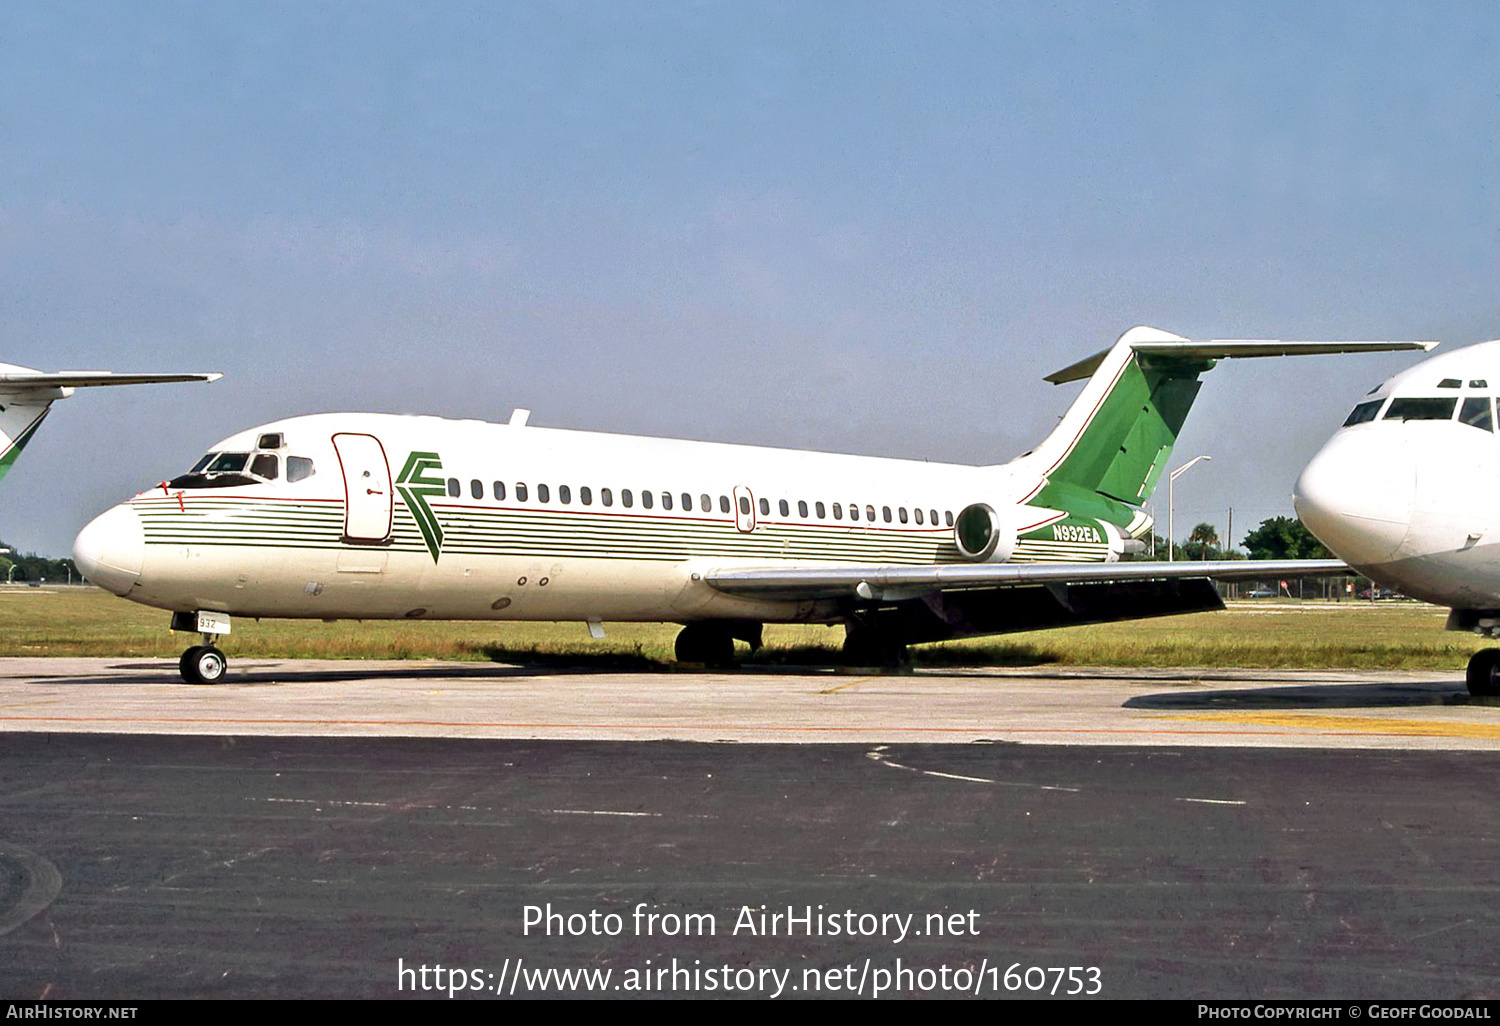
(16, 379)
(898, 583)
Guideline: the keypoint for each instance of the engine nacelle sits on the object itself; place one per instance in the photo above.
(982, 535)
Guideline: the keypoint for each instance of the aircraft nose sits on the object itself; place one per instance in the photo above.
(110, 549)
(1356, 495)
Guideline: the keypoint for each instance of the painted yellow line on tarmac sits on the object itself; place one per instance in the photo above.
(841, 687)
(1351, 724)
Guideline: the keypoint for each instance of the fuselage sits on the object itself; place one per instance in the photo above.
(371, 516)
(1408, 490)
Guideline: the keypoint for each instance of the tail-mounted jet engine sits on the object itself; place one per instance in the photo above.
(982, 536)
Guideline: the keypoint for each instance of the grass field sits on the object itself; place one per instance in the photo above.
(1387, 635)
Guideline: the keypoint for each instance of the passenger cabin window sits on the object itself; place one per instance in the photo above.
(838, 511)
(801, 508)
(666, 500)
(744, 506)
(453, 488)
(687, 503)
(706, 504)
(298, 468)
(724, 504)
(627, 498)
(901, 514)
(476, 488)
(1364, 412)
(646, 500)
(586, 495)
(784, 508)
(1476, 413)
(765, 507)
(543, 493)
(822, 510)
(520, 491)
(564, 494)
(499, 490)
(870, 513)
(607, 496)
(918, 514)
(885, 511)
(1420, 409)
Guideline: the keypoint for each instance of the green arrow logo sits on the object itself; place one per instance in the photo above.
(415, 487)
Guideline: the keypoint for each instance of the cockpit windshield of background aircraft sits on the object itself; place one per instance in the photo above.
(1476, 411)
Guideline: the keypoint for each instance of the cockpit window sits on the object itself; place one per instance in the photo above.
(298, 468)
(1476, 413)
(228, 463)
(1364, 412)
(1421, 409)
(231, 469)
(1450, 383)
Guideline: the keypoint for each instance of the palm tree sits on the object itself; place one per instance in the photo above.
(1205, 537)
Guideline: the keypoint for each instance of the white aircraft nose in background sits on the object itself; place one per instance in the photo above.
(1357, 494)
(1407, 492)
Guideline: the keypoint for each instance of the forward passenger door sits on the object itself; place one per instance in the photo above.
(367, 488)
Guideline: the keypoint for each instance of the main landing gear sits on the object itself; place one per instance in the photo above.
(1483, 676)
(711, 642)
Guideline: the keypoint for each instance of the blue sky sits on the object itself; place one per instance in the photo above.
(869, 227)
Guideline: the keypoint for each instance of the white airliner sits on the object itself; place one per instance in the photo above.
(371, 516)
(26, 396)
(1408, 492)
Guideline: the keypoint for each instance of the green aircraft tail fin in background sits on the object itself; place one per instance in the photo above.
(1106, 456)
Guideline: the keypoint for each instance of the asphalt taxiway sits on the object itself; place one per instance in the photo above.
(314, 829)
(1278, 708)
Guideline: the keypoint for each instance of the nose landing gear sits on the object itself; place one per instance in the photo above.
(1483, 675)
(202, 664)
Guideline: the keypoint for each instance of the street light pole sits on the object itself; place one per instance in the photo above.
(1171, 510)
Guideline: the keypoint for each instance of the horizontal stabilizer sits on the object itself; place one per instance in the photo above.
(1230, 349)
(913, 580)
(13, 379)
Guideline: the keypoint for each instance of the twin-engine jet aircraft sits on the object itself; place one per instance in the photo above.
(26, 396)
(1408, 492)
(370, 516)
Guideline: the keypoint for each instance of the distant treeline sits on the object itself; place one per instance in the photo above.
(28, 566)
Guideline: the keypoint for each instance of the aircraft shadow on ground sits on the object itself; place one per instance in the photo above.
(250, 671)
(1314, 696)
